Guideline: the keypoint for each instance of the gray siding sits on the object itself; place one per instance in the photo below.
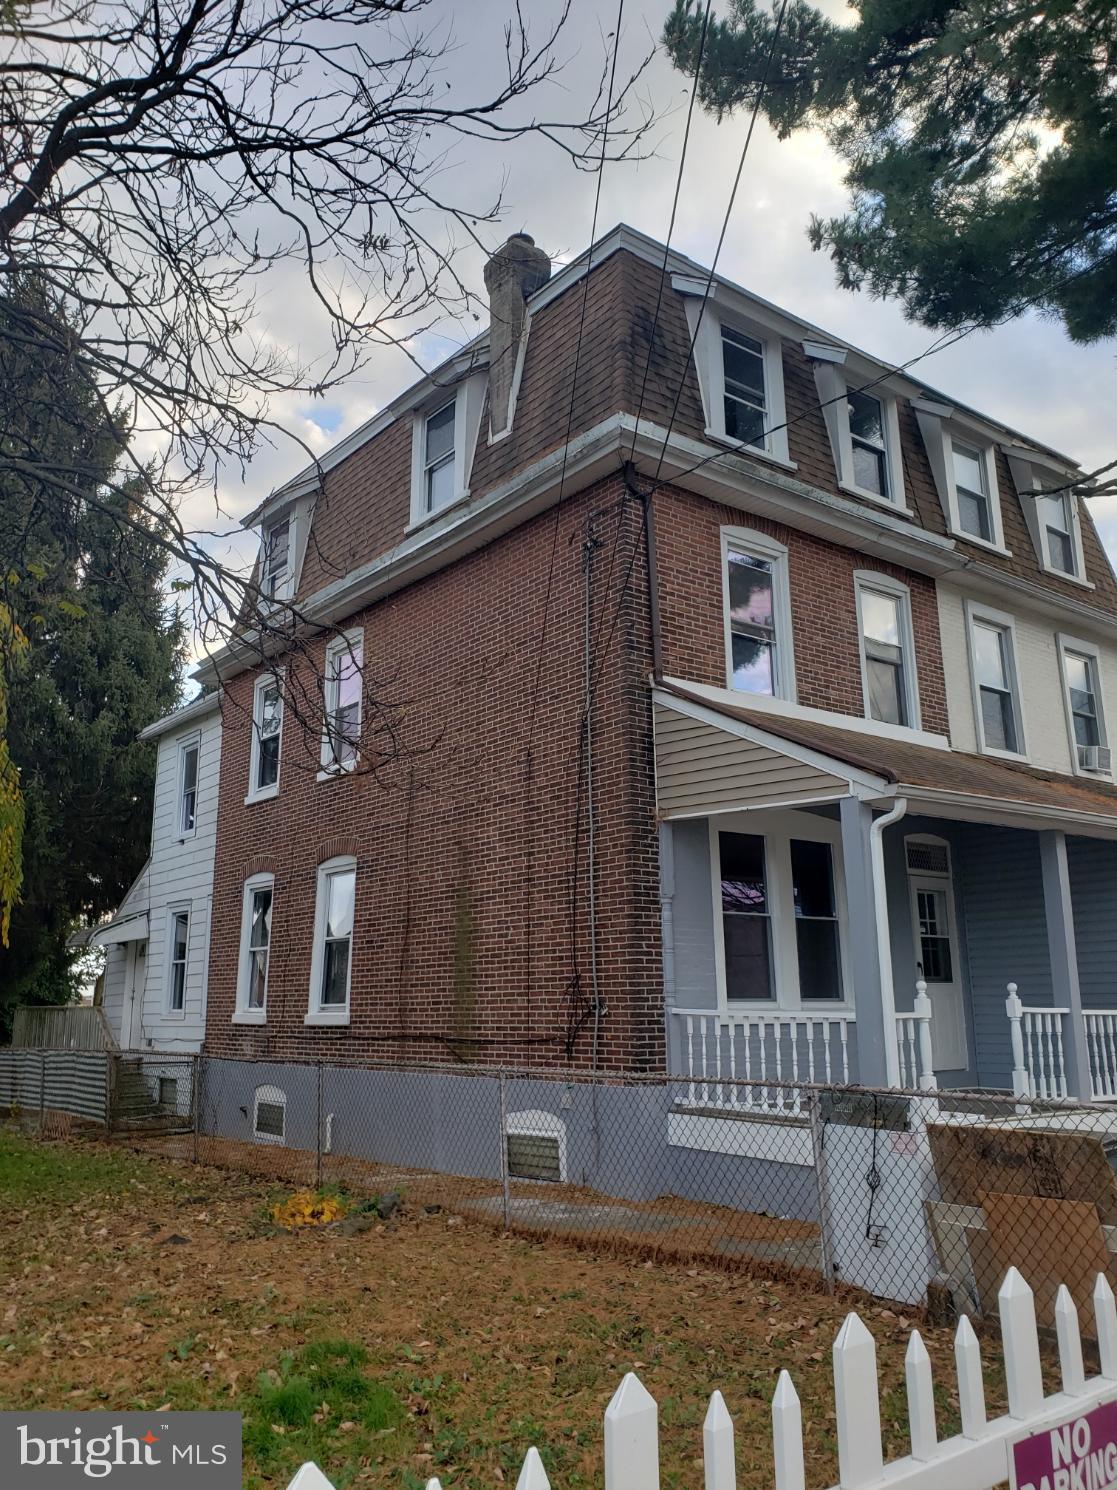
(1093, 882)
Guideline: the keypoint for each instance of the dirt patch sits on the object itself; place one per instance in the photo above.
(469, 1344)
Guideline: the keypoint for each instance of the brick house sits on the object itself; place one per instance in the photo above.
(680, 688)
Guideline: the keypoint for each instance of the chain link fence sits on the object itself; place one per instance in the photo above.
(925, 1198)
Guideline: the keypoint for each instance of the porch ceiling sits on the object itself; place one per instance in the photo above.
(945, 783)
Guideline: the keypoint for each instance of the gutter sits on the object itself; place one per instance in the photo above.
(884, 939)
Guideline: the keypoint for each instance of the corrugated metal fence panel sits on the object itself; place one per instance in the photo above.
(73, 1081)
(77, 1081)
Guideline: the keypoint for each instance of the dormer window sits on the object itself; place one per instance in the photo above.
(971, 491)
(867, 440)
(438, 457)
(277, 559)
(1058, 532)
(964, 465)
(746, 403)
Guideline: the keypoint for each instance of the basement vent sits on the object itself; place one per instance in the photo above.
(927, 858)
(168, 1091)
(534, 1157)
(269, 1113)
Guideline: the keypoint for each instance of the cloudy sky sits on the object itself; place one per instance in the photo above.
(1027, 373)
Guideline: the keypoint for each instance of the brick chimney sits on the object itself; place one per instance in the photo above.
(512, 274)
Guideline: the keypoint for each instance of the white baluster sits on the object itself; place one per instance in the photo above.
(924, 1011)
(795, 1031)
(533, 1476)
(1070, 1343)
(779, 1026)
(971, 1387)
(1105, 1318)
(787, 1435)
(1021, 1346)
(1021, 1086)
(632, 1438)
(717, 1446)
(812, 1027)
(733, 1090)
(843, 1027)
(857, 1403)
(747, 1029)
(921, 1398)
(690, 1057)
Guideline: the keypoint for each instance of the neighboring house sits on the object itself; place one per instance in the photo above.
(156, 965)
(844, 727)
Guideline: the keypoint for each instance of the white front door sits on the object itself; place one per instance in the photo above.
(132, 1024)
(937, 963)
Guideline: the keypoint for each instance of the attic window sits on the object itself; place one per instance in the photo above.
(1058, 532)
(277, 559)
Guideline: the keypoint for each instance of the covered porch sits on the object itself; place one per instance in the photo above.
(841, 907)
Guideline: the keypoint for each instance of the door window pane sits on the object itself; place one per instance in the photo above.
(745, 920)
(752, 623)
(745, 399)
(816, 920)
(936, 962)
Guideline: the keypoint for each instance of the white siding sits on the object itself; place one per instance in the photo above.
(1041, 686)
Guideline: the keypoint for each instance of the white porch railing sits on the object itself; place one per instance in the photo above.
(913, 1043)
(1101, 1046)
(1038, 1064)
(1037, 1434)
(721, 1049)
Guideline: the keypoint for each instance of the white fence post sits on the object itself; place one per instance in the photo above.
(921, 1399)
(717, 1446)
(533, 1476)
(857, 1403)
(310, 1477)
(787, 1435)
(632, 1438)
(971, 1387)
(1021, 1086)
(1023, 1376)
(1105, 1316)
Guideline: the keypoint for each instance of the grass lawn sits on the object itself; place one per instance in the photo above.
(430, 1345)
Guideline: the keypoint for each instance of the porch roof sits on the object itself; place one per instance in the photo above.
(947, 783)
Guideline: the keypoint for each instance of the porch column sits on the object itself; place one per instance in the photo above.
(876, 1036)
(1063, 952)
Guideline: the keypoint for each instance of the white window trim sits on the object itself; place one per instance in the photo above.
(535, 1123)
(242, 1014)
(869, 579)
(747, 540)
(190, 742)
(711, 377)
(1065, 644)
(330, 769)
(975, 613)
(176, 908)
(278, 1098)
(255, 793)
(834, 386)
(778, 828)
(1031, 475)
(468, 397)
(940, 427)
(334, 1015)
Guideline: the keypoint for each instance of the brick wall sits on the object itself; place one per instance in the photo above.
(468, 934)
(823, 607)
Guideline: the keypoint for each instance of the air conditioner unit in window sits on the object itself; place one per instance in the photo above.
(1095, 758)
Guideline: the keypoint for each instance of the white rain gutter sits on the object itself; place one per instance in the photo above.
(884, 940)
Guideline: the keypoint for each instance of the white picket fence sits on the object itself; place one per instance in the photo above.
(975, 1459)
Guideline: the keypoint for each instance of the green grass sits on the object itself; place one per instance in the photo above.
(321, 1404)
(32, 1171)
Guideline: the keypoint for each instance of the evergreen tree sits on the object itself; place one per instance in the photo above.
(84, 582)
(980, 138)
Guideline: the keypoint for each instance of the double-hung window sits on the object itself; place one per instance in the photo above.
(189, 756)
(745, 389)
(1085, 716)
(869, 443)
(1058, 532)
(758, 616)
(777, 896)
(971, 491)
(439, 436)
(342, 690)
(255, 949)
(277, 558)
(331, 965)
(267, 728)
(887, 651)
(995, 685)
(176, 961)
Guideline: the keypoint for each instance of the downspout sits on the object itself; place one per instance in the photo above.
(884, 940)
